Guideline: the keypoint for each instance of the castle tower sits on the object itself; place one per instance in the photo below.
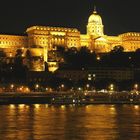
(95, 26)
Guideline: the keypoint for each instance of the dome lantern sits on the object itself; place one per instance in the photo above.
(94, 10)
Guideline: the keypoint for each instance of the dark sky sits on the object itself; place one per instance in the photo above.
(118, 15)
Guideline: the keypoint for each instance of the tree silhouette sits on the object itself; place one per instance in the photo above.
(28, 57)
(117, 49)
(19, 68)
(2, 54)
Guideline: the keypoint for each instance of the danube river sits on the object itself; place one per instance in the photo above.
(91, 122)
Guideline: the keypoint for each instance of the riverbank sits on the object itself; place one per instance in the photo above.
(69, 98)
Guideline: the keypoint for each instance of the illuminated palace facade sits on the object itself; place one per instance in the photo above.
(41, 40)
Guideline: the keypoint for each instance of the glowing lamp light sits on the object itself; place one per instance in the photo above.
(136, 107)
(37, 105)
(21, 105)
(87, 86)
(27, 89)
(111, 88)
(12, 86)
(10, 54)
(62, 86)
(12, 106)
(136, 86)
(37, 86)
(79, 88)
(62, 106)
(98, 58)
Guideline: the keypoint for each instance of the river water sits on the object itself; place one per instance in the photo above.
(91, 122)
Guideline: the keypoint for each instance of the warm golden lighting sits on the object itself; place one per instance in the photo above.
(12, 86)
(87, 85)
(12, 106)
(42, 39)
(21, 106)
(23, 89)
(58, 33)
(63, 106)
(27, 89)
(53, 66)
(85, 93)
(62, 86)
(136, 86)
(98, 58)
(136, 107)
(10, 54)
(112, 109)
(37, 106)
(95, 26)
(111, 87)
(37, 86)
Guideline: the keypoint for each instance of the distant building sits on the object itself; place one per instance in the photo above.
(97, 73)
(42, 39)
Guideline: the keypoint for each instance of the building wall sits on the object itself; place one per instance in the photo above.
(48, 38)
(99, 73)
(52, 36)
(130, 41)
(10, 43)
(41, 40)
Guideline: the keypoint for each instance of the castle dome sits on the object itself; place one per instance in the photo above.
(95, 18)
(95, 25)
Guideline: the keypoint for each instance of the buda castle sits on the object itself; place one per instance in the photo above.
(40, 40)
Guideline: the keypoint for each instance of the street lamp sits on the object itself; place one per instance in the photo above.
(36, 86)
(79, 88)
(12, 86)
(136, 86)
(91, 79)
(62, 86)
(87, 86)
(98, 58)
(111, 88)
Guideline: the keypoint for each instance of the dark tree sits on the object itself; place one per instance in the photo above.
(61, 49)
(19, 53)
(2, 54)
(117, 49)
(28, 58)
(28, 54)
(19, 68)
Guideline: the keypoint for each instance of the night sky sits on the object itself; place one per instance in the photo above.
(118, 16)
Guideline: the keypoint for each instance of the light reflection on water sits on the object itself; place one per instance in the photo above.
(44, 122)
